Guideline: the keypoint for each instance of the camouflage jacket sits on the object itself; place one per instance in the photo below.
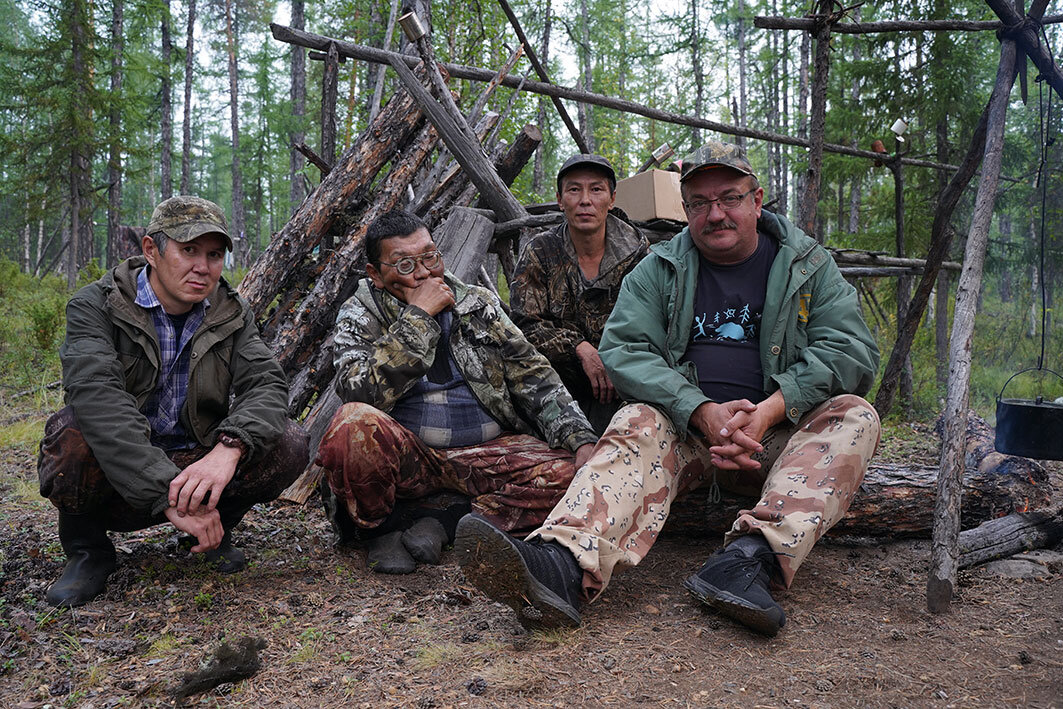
(551, 301)
(384, 346)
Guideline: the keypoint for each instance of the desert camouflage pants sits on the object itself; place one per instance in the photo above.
(371, 460)
(619, 501)
(71, 478)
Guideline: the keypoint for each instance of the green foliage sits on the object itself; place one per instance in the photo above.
(31, 325)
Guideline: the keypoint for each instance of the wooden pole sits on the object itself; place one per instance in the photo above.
(817, 123)
(466, 151)
(1023, 30)
(458, 71)
(577, 136)
(772, 22)
(944, 549)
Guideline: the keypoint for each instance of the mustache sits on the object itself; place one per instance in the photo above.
(718, 226)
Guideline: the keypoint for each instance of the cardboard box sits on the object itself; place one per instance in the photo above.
(653, 194)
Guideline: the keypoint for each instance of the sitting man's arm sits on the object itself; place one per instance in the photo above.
(634, 346)
(255, 421)
(376, 362)
(107, 415)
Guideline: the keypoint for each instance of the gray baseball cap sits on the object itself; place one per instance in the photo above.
(594, 162)
(184, 218)
(716, 154)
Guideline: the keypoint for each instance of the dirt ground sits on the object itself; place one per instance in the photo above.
(858, 632)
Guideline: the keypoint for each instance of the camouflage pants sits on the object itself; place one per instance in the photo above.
(371, 460)
(619, 501)
(71, 478)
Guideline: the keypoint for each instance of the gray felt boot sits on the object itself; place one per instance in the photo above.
(425, 539)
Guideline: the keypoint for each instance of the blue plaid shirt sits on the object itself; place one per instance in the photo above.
(163, 409)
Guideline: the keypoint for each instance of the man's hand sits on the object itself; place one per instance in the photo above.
(207, 476)
(204, 526)
(735, 428)
(711, 417)
(592, 365)
(583, 454)
(431, 295)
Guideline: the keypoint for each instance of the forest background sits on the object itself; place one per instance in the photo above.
(108, 107)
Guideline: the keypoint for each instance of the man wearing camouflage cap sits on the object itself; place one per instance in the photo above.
(567, 279)
(747, 354)
(173, 403)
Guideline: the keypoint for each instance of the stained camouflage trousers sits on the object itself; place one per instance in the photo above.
(371, 460)
(619, 501)
(71, 478)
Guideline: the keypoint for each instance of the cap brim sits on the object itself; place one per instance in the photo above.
(197, 230)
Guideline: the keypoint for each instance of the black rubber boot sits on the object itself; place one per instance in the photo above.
(90, 559)
(425, 539)
(385, 554)
(227, 559)
(541, 581)
(734, 581)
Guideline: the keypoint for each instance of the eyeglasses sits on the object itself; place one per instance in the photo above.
(408, 264)
(729, 201)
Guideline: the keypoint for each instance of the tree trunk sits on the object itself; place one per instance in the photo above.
(817, 126)
(697, 68)
(586, 117)
(740, 119)
(538, 175)
(186, 124)
(378, 85)
(296, 184)
(802, 110)
(166, 109)
(237, 221)
(944, 550)
(79, 249)
(903, 282)
(114, 163)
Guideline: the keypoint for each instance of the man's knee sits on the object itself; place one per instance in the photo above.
(68, 473)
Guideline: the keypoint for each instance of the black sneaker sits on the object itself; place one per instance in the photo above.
(737, 586)
(541, 581)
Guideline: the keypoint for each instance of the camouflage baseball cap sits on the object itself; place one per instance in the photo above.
(184, 218)
(586, 160)
(716, 154)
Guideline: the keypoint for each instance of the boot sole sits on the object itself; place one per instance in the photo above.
(766, 621)
(491, 562)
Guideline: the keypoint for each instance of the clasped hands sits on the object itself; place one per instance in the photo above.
(734, 429)
(194, 496)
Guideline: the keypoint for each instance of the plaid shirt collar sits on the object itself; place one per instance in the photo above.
(163, 409)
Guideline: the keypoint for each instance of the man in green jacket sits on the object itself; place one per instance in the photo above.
(567, 280)
(747, 354)
(176, 410)
(444, 394)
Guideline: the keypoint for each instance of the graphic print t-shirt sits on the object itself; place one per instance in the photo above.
(725, 335)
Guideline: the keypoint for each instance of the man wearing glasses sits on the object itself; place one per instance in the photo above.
(748, 354)
(444, 393)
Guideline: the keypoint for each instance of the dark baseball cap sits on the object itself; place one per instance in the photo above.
(594, 162)
(184, 218)
(716, 154)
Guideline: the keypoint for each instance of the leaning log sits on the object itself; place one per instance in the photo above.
(347, 184)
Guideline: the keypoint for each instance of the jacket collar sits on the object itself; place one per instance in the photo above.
(621, 240)
(120, 284)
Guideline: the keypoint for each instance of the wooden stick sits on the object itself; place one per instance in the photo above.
(808, 24)
(1004, 536)
(372, 54)
(943, 549)
(1027, 37)
(868, 258)
(314, 158)
(581, 142)
(468, 154)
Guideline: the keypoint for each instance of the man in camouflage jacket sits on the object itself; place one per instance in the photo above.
(567, 280)
(444, 393)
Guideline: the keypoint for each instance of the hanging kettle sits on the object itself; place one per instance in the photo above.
(1029, 428)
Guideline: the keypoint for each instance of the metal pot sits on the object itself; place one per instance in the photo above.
(1031, 429)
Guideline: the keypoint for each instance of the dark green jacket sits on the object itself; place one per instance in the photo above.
(814, 342)
(111, 367)
(384, 346)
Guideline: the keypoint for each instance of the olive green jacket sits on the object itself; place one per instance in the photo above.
(384, 346)
(111, 367)
(814, 342)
